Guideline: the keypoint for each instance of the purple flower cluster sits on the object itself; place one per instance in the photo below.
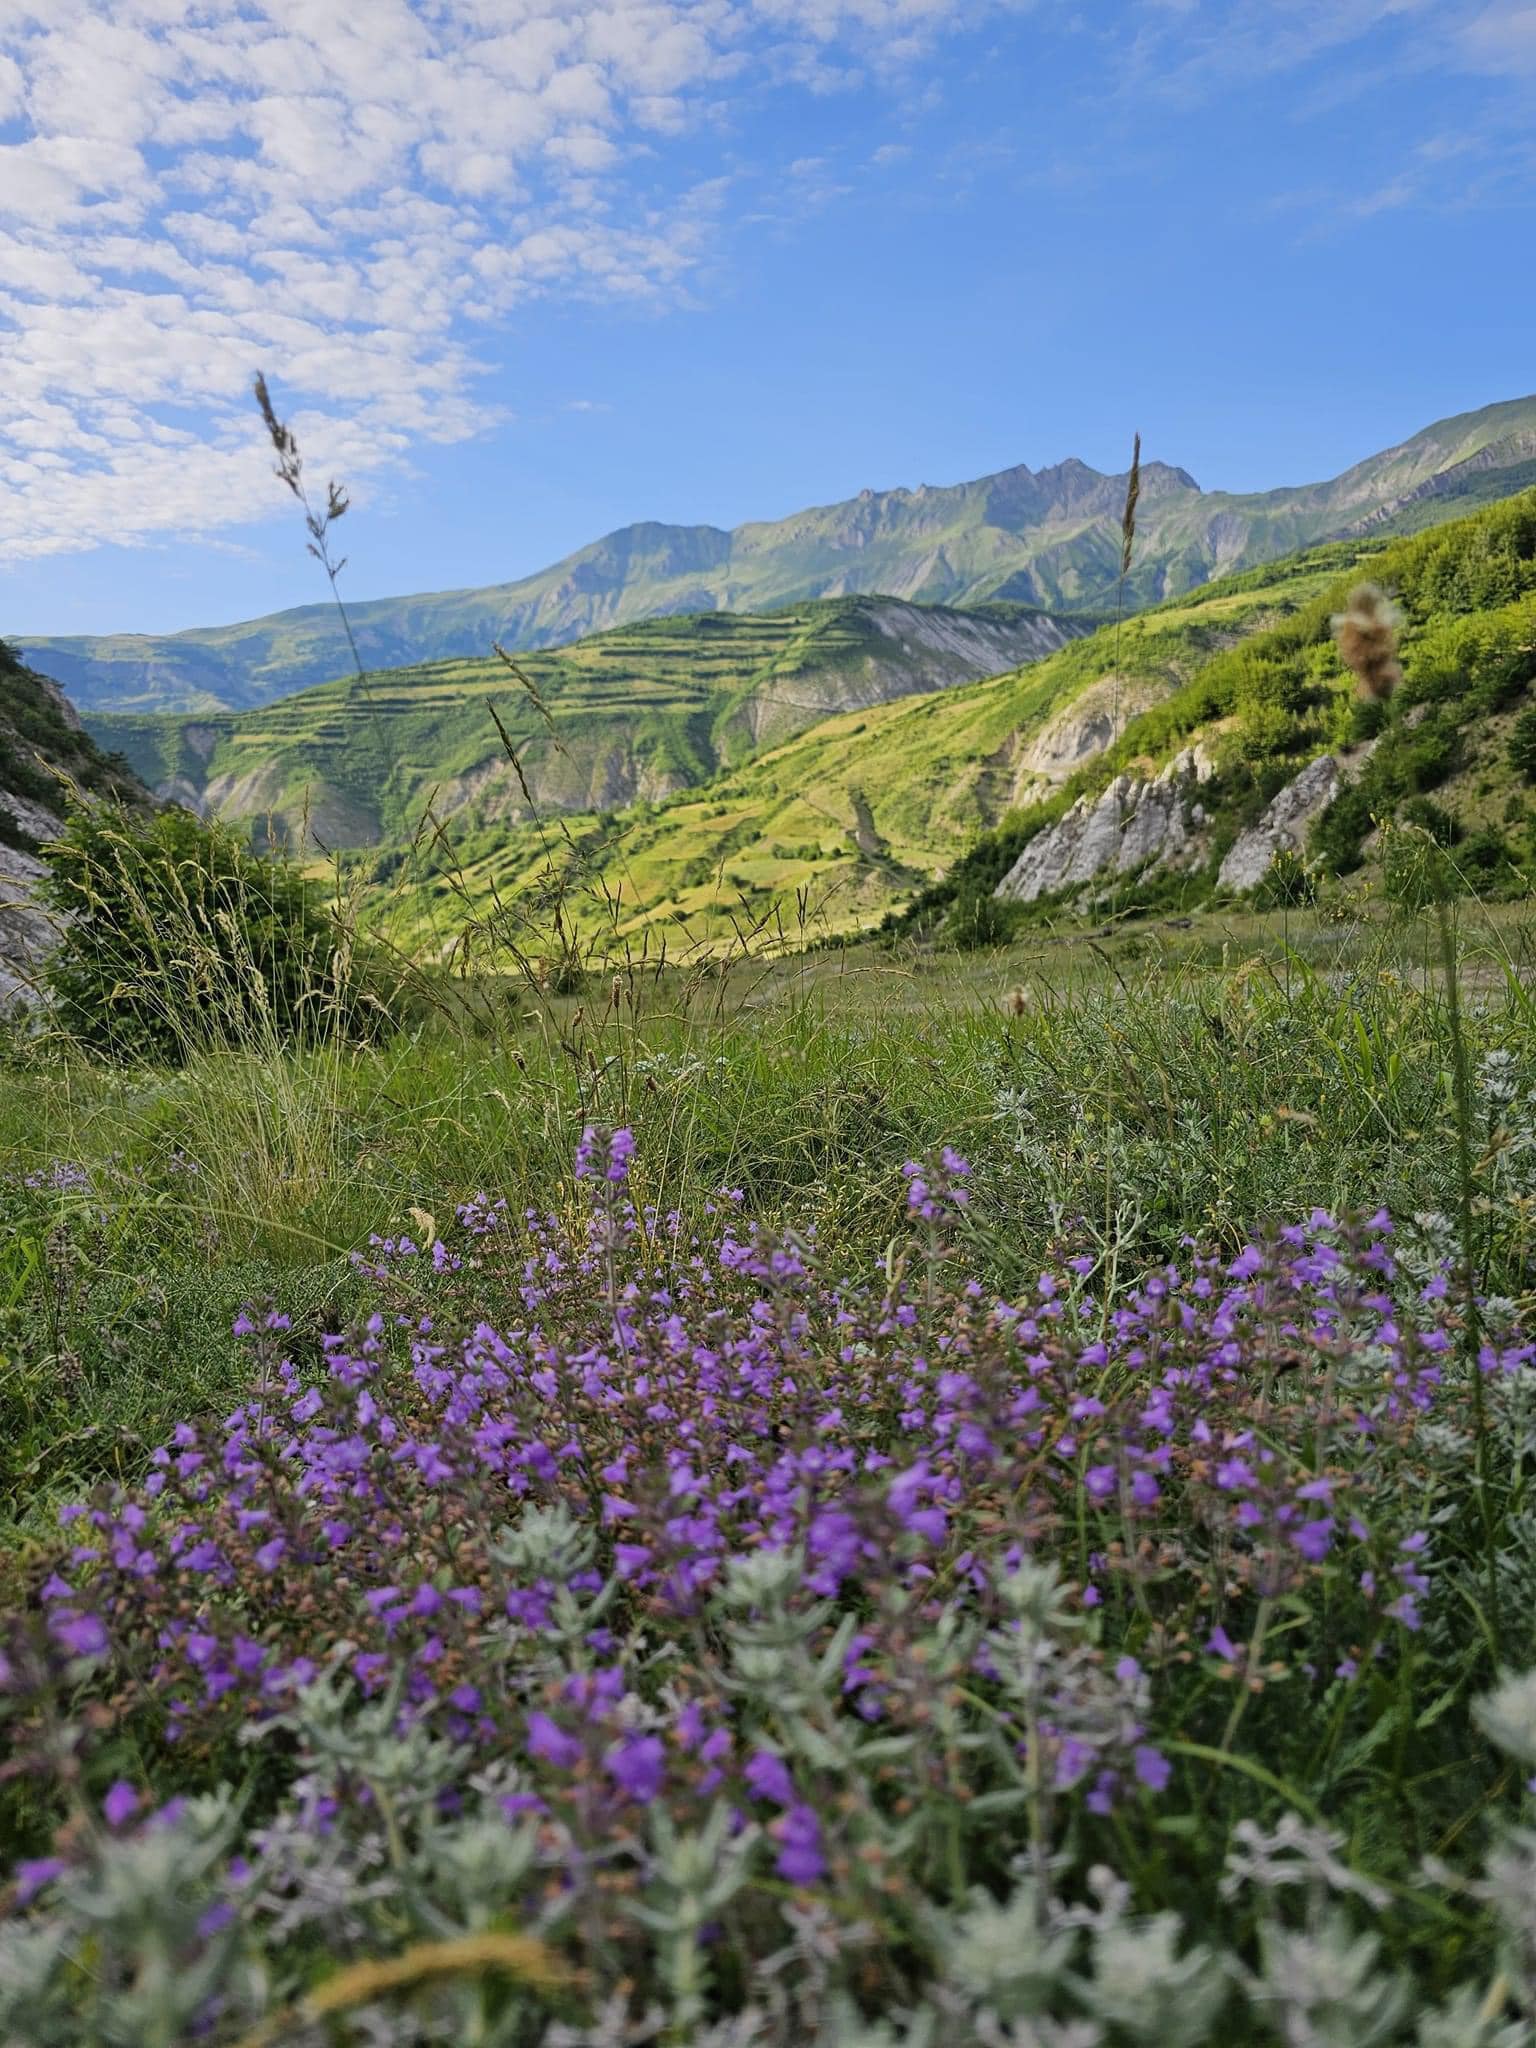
(641, 1518)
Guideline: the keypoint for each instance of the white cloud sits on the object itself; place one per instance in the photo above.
(1188, 52)
(348, 198)
(1502, 37)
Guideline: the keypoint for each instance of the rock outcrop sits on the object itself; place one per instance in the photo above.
(1283, 827)
(1092, 722)
(43, 751)
(26, 930)
(1134, 823)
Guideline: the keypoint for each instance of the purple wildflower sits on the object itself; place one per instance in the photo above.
(637, 1765)
(1152, 1768)
(798, 1833)
(83, 1635)
(120, 1804)
(769, 1778)
(550, 1743)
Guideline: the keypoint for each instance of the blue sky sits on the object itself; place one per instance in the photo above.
(523, 273)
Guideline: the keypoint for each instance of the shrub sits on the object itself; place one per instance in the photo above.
(1522, 745)
(1336, 837)
(1365, 719)
(1485, 861)
(1441, 825)
(1289, 885)
(175, 936)
(977, 918)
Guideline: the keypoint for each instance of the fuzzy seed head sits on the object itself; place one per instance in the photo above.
(1366, 633)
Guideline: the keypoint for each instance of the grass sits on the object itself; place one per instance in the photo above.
(1220, 1076)
(1238, 1070)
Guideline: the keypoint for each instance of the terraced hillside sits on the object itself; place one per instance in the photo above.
(1046, 537)
(841, 823)
(1229, 734)
(636, 714)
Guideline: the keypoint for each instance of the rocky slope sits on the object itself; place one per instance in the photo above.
(1047, 537)
(1144, 824)
(1267, 752)
(44, 751)
(1138, 822)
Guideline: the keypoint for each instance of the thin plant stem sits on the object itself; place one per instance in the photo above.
(1461, 1085)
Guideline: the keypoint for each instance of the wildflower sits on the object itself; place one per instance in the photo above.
(120, 1804)
(769, 1779)
(33, 1874)
(551, 1744)
(1152, 1768)
(798, 1833)
(83, 1635)
(1314, 1539)
(637, 1766)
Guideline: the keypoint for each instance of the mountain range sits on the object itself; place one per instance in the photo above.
(1048, 538)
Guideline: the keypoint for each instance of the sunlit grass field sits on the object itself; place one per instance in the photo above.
(1143, 1081)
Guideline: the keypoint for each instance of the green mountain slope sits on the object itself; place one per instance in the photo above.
(856, 815)
(636, 713)
(1267, 768)
(1048, 538)
(1223, 705)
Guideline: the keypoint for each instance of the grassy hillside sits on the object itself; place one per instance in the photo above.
(637, 713)
(43, 751)
(1445, 755)
(41, 740)
(1048, 538)
(914, 804)
(856, 815)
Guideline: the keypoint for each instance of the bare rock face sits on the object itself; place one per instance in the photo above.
(1093, 721)
(27, 930)
(1283, 827)
(1134, 823)
(39, 730)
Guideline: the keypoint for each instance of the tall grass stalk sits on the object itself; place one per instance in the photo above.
(1366, 636)
(1461, 1089)
(1127, 544)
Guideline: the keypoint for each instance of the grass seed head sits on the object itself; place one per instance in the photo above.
(1128, 517)
(1366, 633)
